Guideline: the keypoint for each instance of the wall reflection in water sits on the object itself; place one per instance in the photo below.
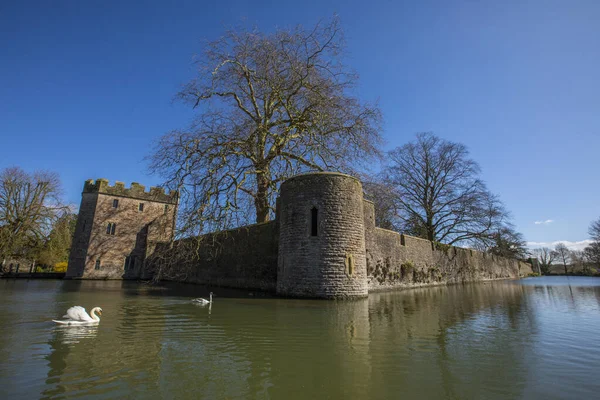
(495, 340)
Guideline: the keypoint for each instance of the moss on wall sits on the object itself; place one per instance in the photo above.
(401, 261)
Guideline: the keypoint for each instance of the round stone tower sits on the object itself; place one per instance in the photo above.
(322, 237)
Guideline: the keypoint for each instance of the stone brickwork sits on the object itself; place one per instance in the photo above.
(322, 244)
(117, 227)
(322, 237)
(240, 258)
(399, 261)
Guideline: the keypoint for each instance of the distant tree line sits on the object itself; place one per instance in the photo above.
(585, 262)
(36, 226)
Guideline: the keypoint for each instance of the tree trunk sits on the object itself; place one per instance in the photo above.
(430, 228)
(261, 201)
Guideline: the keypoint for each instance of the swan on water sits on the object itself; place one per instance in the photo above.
(78, 316)
(202, 301)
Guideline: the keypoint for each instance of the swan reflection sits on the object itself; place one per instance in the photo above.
(204, 306)
(69, 334)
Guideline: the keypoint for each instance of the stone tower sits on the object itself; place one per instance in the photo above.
(117, 228)
(322, 237)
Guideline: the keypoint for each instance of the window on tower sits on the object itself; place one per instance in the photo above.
(314, 218)
(111, 228)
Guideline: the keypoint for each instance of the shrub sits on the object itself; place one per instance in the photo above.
(61, 266)
(406, 269)
(442, 246)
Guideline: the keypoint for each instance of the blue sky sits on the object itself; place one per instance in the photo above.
(86, 87)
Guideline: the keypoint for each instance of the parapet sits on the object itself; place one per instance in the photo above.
(135, 191)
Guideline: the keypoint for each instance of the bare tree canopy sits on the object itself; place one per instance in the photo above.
(507, 242)
(270, 106)
(592, 252)
(594, 230)
(546, 257)
(563, 254)
(439, 195)
(29, 205)
(383, 196)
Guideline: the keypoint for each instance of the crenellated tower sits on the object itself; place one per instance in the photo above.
(118, 227)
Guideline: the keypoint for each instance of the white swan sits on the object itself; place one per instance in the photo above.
(202, 301)
(78, 316)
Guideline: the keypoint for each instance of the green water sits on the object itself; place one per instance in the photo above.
(535, 339)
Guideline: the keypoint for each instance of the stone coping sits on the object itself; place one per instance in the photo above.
(308, 174)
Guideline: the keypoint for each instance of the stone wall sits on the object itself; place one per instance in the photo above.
(323, 244)
(78, 255)
(117, 227)
(400, 261)
(11, 266)
(244, 258)
(322, 239)
(339, 254)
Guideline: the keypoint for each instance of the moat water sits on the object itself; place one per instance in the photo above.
(531, 339)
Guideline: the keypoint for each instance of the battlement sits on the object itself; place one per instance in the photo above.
(135, 191)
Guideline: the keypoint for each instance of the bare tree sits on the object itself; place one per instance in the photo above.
(384, 197)
(440, 194)
(579, 262)
(271, 106)
(507, 242)
(563, 254)
(594, 230)
(546, 257)
(29, 205)
(592, 254)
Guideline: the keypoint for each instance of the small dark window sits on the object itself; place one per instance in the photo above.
(97, 264)
(166, 208)
(111, 228)
(350, 264)
(314, 217)
(84, 223)
(115, 203)
(141, 207)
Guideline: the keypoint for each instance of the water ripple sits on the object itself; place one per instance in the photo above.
(499, 340)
